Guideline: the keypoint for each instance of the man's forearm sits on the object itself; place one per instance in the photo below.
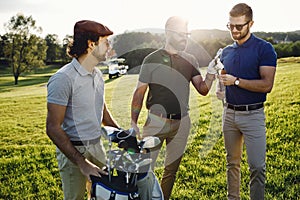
(108, 120)
(204, 86)
(209, 79)
(137, 102)
(135, 112)
(62, 141)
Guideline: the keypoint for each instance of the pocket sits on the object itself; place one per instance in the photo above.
(258, 115)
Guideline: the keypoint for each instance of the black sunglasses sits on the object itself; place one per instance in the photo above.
(238, 27)
(180, 34)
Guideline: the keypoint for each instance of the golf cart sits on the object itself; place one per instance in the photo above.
(116, 68)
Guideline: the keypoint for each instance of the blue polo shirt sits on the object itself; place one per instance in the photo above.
(244, 61)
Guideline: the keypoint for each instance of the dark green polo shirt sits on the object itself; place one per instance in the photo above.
(168, 77)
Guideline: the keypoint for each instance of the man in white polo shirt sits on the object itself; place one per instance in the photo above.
(76, 109)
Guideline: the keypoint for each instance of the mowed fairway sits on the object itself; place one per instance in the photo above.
(28, 167)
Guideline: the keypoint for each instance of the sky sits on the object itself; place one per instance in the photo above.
(59, 16)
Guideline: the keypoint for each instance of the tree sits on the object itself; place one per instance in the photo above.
(53, 49)
(63, 51)
(130, 41)
(296, 48)
(24, 50)
(2, 42)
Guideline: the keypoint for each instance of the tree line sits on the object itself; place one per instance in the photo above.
(23, 50)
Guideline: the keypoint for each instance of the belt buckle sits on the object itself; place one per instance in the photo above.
(242, 108)
(171, 115)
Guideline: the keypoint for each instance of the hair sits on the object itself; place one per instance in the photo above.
(242, 9)
(79, 44)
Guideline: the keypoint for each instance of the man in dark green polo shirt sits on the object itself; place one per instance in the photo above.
(167, 74)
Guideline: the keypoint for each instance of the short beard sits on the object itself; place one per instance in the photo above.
(98, 56)
(178, 45)
(241, 36)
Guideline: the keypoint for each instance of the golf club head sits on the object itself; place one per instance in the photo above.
(136, 167)
(128, 157)
(150, 142)
(132, 168)
(144, 162)
(115, 153)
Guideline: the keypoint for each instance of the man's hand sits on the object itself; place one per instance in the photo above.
(87, 168)
(227, 79)
(214, 66)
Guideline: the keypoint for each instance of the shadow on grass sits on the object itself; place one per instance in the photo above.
(27, 81)
(36, 77)
(109, 80)
(34, 80)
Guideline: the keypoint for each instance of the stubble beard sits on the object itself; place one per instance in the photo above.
(240, 36)
(178, 45)
(98, 56)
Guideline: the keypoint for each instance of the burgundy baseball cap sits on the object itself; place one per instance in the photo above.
(84, 26)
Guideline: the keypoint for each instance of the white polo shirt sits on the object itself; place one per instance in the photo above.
(82, 93)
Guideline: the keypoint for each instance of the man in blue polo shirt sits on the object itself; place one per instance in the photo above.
(250, 65)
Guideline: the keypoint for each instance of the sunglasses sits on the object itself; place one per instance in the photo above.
(180, 34)
(238, 27)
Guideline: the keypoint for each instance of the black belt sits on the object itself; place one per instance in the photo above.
(245, 107)
(167, 116)
(85, 142)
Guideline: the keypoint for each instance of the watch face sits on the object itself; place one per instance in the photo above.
(236, 82)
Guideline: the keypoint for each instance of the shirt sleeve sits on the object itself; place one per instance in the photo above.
(196, 68)
(191, 59)
(145, 74)
(269, 56)
(59, 89)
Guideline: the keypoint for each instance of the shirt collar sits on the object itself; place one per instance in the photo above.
(245, 44)
(80, 69)
(167, 54)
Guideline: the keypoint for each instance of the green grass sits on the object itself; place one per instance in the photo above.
(28, 167)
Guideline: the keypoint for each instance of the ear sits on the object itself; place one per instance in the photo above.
(91, 44)
(251, 23)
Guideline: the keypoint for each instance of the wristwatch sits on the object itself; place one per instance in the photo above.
(237, 81)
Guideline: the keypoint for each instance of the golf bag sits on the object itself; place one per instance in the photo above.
(125, 166)
(114, 189)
